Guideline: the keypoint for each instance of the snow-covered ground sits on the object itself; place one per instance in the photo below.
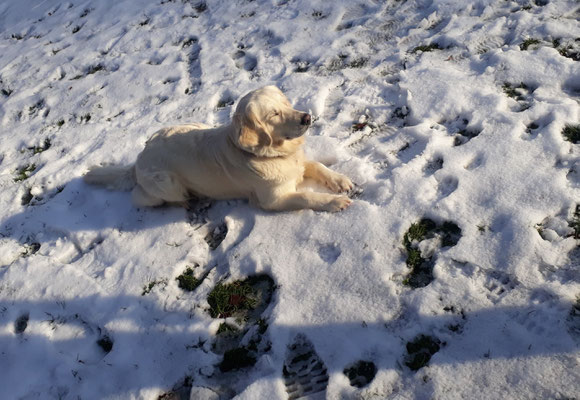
(448, 110)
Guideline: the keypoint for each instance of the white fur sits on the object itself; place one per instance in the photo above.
(258, 157)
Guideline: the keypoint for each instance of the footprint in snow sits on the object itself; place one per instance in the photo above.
(498, 284)
(245, 61)
(361, 373)
(193, 48)
(433, 165)
(216, 236)
(447, 186)
(475, 162)
(329, 253)
(21, 323)
(545, 316)
(304, 372)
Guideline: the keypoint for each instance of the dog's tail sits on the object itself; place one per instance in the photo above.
(113, 177)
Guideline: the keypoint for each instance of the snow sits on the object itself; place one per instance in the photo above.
(469, 133)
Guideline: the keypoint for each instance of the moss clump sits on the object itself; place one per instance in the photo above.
(420, 351)
(361, 373)
(187, 281)
(572, 133)
(237, 358)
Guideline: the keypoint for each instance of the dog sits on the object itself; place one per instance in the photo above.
(258, 157)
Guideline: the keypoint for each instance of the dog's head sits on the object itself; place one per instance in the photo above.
(265, 124)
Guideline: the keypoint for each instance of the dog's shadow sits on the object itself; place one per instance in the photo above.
(87, 214)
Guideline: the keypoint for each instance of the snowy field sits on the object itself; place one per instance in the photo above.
(455, 273)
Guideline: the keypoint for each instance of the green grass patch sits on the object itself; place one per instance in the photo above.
(105, 343)
(223, 103)
(93, 69)
(527, 43)
(24, 172)
(451, 233)
(30, 249)
(42, 147)
(262, 326)
(575, 223)
(240, 297)
(26, 197)
(33, 109)
(359, 126)
(421, 273)
(187, 280)
(237, 358)
(226, 300)
(418, 231)
(189, 42)
(361, 373)
(515, 92)
(420, 350)
(216, 236)
(149, 287)
(21, 324)
(226, 328)
(426, 48)
(572, 133)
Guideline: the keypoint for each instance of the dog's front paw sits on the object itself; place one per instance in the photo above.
(339, 183)
(338, 203)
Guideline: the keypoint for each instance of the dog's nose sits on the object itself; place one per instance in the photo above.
(306, 119)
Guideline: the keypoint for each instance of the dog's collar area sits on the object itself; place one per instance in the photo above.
(253, 155)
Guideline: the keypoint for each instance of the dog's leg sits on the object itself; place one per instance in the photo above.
(143, 199)
(307, 200)
(333, 180)
(159, 187)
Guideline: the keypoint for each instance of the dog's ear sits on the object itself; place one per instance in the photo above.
(251, 133)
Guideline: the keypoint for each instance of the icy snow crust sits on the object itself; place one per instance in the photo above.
(469, 132)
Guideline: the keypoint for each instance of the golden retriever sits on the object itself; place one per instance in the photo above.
(258, 157)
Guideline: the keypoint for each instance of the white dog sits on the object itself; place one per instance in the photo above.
(258, 157)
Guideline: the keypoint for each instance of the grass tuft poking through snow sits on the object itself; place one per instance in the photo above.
(420, 350)
(361, 373)
(572, 133)
(187, 280)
